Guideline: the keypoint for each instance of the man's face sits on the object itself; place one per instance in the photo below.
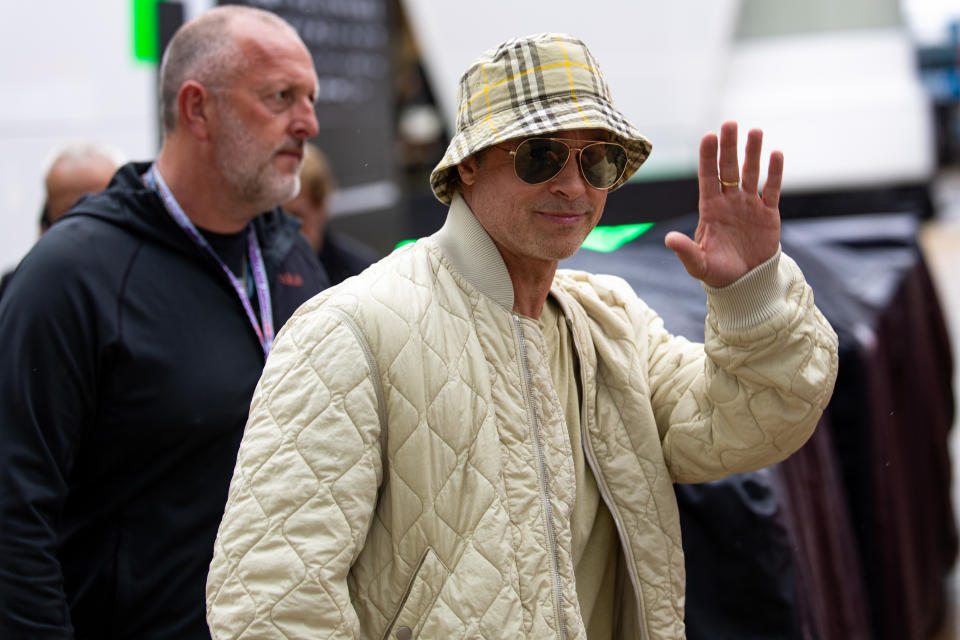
(532, 224)
(264, 116)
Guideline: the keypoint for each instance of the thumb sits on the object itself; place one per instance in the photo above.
(688, 251)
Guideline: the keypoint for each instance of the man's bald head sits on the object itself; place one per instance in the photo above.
(75, 172)
(205, 50)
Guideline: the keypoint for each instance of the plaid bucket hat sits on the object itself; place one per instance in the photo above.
(533, 86)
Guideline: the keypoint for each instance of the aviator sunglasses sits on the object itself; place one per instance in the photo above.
(537, 160)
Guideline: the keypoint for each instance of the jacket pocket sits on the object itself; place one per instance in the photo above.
(419, 598)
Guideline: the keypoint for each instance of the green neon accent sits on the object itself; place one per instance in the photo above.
(607, 239)
(146, 48)
(604, 239)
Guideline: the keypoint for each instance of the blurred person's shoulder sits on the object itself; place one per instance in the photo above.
(344, 256)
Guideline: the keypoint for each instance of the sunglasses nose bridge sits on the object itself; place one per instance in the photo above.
(579, 152)
(570, 151)
(562, 166)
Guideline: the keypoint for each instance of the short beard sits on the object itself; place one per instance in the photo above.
(236, 158)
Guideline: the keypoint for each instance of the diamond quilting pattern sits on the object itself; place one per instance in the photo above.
(302, 552)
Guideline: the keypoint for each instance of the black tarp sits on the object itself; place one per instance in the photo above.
(851, 537)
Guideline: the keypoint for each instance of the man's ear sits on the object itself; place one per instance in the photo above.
(194, 103)
(468, 169)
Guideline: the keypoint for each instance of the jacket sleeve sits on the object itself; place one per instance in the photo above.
(753, 393)
(48, 333)
(304, 489)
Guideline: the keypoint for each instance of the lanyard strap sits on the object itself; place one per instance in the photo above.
(263, 329)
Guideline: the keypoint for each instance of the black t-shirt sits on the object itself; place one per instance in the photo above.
(231, 247)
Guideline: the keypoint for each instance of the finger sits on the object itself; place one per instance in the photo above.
(688, 251)
(751, 161)
(771, 189)
(709, 178)
(729, 165)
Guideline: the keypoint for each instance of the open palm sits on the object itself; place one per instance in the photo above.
(738, 228)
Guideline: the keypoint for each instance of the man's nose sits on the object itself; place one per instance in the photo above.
(570, 182)
(304, 125)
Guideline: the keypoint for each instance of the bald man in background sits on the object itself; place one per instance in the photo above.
(76, 171)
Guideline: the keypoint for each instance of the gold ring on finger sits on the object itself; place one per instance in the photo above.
(734, 183)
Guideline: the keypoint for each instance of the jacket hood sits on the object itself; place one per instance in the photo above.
(130, 204)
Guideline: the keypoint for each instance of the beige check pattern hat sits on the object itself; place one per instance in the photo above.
(533, 86)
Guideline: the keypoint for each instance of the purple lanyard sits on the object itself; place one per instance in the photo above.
(264, 335)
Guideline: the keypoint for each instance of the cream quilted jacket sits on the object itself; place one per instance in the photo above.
(406, 470)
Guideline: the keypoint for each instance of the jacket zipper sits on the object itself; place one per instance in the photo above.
(544, 490)
(605, 495)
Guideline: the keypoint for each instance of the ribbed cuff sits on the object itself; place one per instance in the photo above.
(757, 296)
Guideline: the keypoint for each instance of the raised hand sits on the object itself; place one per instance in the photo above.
(738, 228)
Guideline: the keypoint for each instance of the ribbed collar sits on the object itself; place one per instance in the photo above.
(471, 251)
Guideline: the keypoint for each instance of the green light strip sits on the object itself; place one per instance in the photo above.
(145, 45)
(607, 239)
(603, 239)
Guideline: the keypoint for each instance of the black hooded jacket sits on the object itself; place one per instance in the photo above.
(126, 374)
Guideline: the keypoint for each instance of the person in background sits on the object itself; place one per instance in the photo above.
(75, 171)
(133, 335)
(340, 255)
(466, 442)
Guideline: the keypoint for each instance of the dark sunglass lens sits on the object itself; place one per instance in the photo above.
(539, 159)
(603, 164)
